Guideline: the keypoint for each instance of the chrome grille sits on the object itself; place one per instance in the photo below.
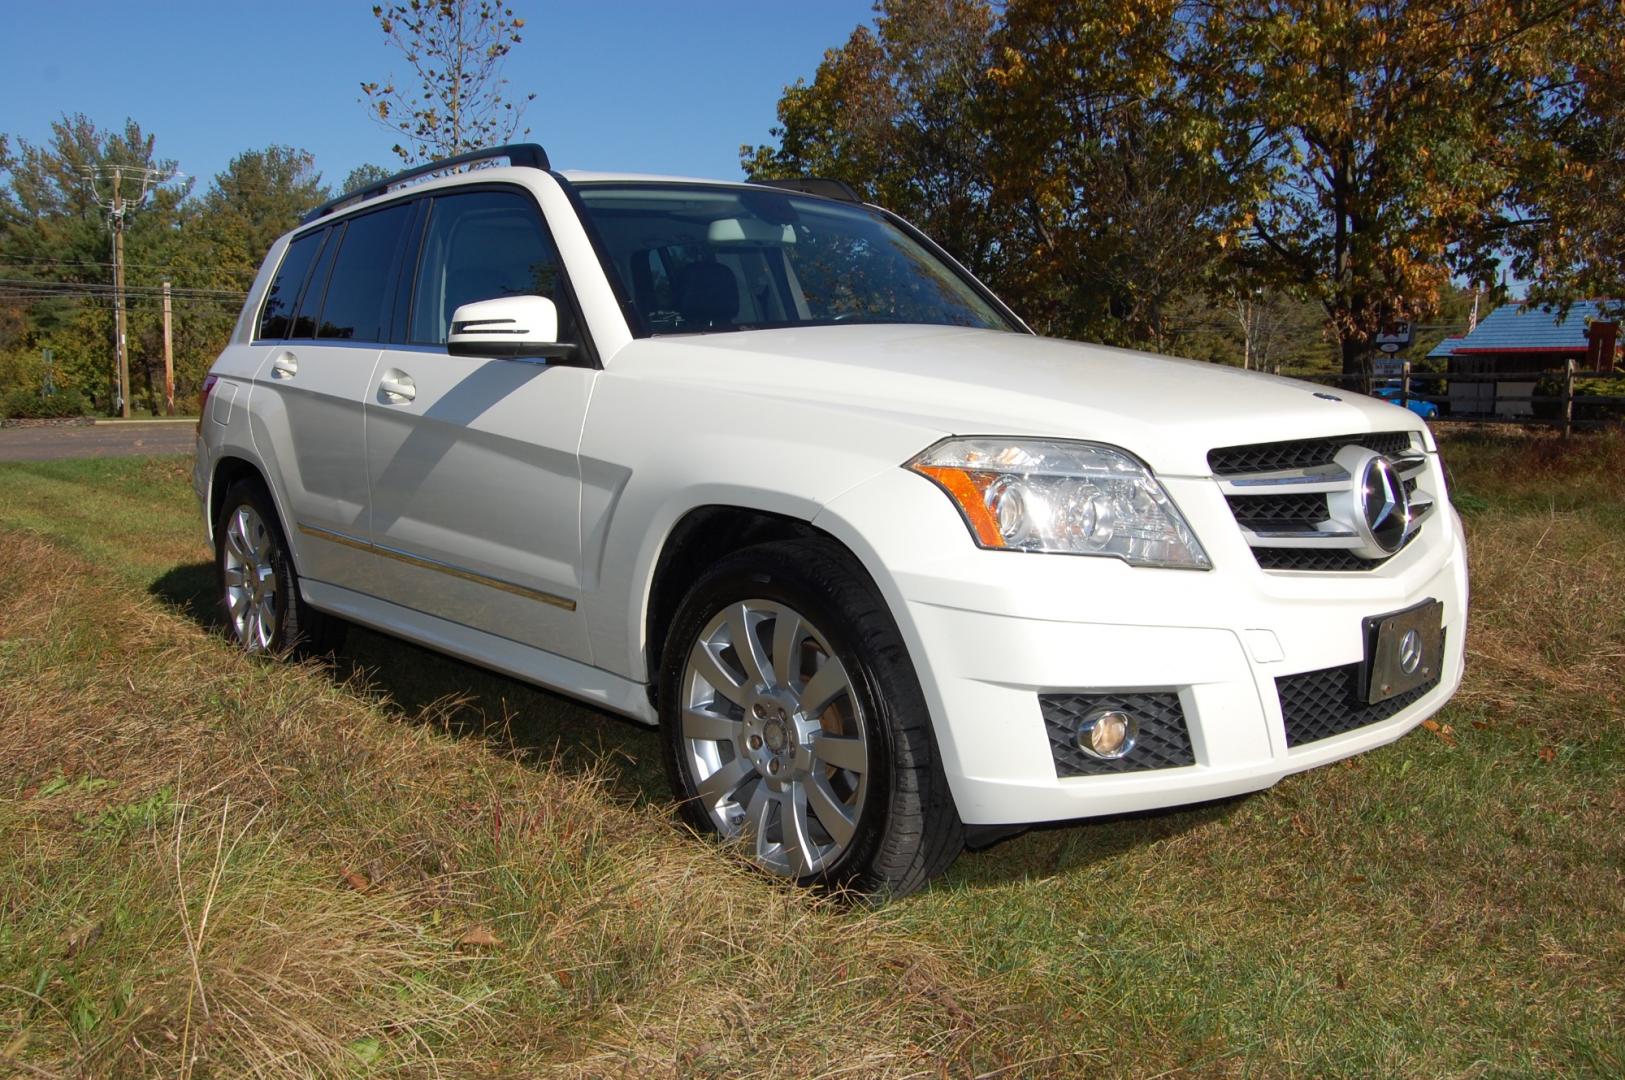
(1264, 509)
(1312, 559)
(1282, 493)
(1301, 453)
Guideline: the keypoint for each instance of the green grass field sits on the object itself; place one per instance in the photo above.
(397, 863)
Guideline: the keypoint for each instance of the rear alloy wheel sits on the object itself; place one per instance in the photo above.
(259, 588)
(252, 594)
(794, 725)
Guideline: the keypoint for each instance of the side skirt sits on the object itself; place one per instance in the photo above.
(569, 677)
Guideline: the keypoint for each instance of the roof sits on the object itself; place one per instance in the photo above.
(1513, 328)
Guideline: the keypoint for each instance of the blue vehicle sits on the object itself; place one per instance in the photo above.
(1392, 394)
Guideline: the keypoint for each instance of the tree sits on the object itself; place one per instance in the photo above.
(899, 112)
(1046, 149)
(1573, 180)
(260, 195)
(55, 235)
(52, 219)
(222, 240)
(457, 50)
(1099, 158)
(1264, 321)
(364, 176)
(1372, 147)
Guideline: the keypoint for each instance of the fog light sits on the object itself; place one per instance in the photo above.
(1107, 734)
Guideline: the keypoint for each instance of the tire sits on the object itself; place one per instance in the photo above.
(260, 602)
(816, 749)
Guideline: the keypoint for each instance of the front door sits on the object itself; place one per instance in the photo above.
(472, 464)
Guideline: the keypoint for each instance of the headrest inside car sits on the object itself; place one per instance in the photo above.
(707, 293)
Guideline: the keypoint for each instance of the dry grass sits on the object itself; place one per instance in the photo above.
(216, 866)
(215, 862)
(1547, 554)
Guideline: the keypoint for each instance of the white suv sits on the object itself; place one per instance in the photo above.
(762, 465)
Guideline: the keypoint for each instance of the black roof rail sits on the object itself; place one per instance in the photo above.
(814, 185)
(526, 155)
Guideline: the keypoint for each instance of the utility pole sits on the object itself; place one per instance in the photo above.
(169, 358)
(119, 208)
(120, 350)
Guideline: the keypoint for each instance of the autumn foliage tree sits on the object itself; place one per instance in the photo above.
(1045, 149)
(457, 98)
(1101, 159)
(900, 111)
(1373, 148)
(1098, 161)
(1572, 185)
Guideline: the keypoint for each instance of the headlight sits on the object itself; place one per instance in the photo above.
(1070, 498)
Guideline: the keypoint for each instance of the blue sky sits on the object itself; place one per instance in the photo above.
(637, 86)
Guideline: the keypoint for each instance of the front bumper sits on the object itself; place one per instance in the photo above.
(991, 631)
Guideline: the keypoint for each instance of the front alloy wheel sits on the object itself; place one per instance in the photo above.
(774, 736)
(793, 722)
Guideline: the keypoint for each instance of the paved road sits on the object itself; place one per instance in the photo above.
(96, 440)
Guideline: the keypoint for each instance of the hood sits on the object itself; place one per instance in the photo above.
(955, 381)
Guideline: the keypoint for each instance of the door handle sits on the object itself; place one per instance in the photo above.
(397, 386)
(285, 366)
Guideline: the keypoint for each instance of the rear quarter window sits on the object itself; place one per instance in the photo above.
(276, 316)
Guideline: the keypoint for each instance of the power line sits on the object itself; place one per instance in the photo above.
(19, 260)
(26, 296)
(91, 286)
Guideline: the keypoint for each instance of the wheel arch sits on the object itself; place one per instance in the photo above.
(700, 538)
(230, 468)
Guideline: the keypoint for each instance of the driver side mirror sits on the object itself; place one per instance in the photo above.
(509, 328)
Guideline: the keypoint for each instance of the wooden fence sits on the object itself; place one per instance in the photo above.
(1573, 411)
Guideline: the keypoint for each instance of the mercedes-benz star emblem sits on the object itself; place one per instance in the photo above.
(1371, 506)
(1410, 652)
(1386, 507)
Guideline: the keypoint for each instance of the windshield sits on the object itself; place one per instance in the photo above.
(695, 259)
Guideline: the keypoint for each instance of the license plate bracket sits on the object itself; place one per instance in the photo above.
(1403, 650)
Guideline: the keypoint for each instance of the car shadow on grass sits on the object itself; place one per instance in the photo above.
(1053, 848)
(541, 727)
(548, 730)
(190, 587)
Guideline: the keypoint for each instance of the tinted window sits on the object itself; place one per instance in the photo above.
(359, 292)
(304, 323)
(277, 314)
(481, 245)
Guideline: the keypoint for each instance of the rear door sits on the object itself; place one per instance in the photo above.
(310, 388)
(475, 483)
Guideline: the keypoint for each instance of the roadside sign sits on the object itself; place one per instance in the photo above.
(1394, 337)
